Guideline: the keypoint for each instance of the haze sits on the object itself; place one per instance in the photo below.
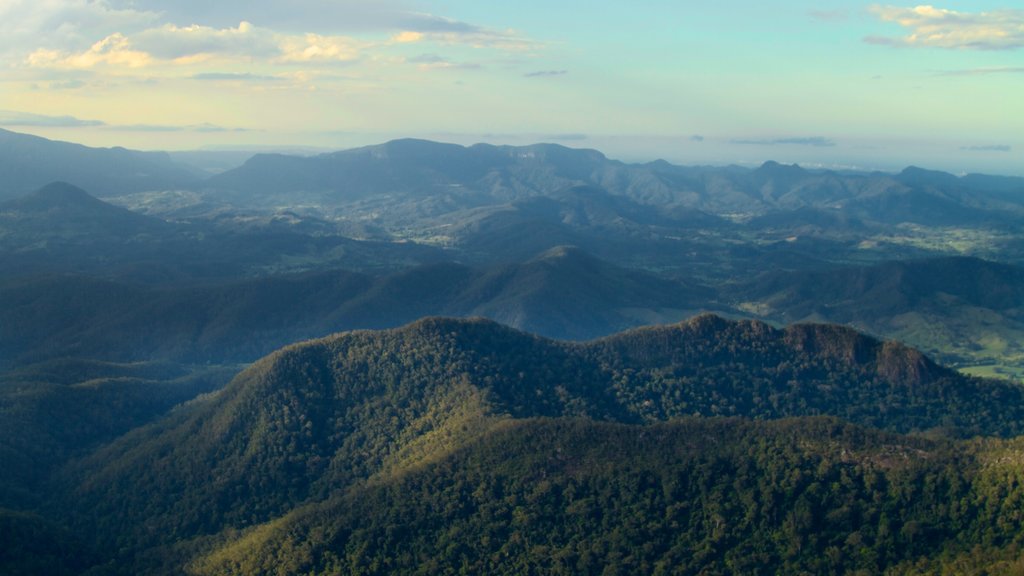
(830, 83)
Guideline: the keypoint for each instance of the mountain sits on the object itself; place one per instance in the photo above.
(724, 496)
(345, 416)
(62, 229)
(61, 212)
(485, 204)
(562, 293)
(446, 177)
(962, 309)
(29, 162)
(55, 411)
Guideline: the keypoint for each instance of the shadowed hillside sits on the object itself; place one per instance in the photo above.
(319, 418)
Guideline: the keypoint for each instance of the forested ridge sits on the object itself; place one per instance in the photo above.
(477, 446)
(695, 496)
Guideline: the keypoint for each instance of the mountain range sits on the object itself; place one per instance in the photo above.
(299, 437)
(418, 357)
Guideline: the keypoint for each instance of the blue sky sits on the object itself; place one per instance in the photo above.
(830, 83)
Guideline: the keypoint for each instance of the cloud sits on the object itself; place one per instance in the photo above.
(61, 85)
(64, 25)
(939, 28)
(234, 77)
(696, 138)
(435, 62)
(325, 17)
(983, 71)
(114, 50)
(170, 42)
(89, 34)
(316, 48)
(542, 73)
(815, 141)
(988, 148)
(12, 118)
(202, 128)
(148, 128)
(407, 37)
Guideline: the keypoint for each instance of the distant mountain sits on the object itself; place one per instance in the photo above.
(30, 162)
(441, 178)
(355, 411)
(963, 309)
(62, 212)
(61, 229)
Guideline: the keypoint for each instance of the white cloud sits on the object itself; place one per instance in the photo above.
(170, 42)
(407, 37)
(435, 62)
(97, 36)
(984, 71)
(64, 25)
(940, 28)
(316, 48)
(114, 50)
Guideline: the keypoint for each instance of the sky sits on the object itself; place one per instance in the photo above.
(832, 83)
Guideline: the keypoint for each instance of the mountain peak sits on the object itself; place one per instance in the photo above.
(772, 168)
(915, 175)
(565, 251)
(57, 195)
(62, 192)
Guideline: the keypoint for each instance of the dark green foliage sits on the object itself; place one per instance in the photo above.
(317, 420)
(700, 496)
(31, 546)
(962, 310)
(564, 293)
(52, 412)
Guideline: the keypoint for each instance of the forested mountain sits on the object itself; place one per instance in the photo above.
(346, 416)
(30, 162)
(563, 293)
(139, 440)
(959, 309)
(721, 496)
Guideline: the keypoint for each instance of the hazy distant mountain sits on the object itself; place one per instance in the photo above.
(64, 213)
(60, 228)
(30, 162)
(484, 174)
(326, 417)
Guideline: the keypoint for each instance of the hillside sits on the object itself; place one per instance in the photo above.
(715, 496)
(963, 310)
(30, 162)
(63, 213)
(563, 293)
(320, 418)
(61, 229)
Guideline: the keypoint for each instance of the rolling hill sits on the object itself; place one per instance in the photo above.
(321, 419)
(963, 310)
(563, 293)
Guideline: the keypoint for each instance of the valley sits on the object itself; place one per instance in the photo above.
(418, 357)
